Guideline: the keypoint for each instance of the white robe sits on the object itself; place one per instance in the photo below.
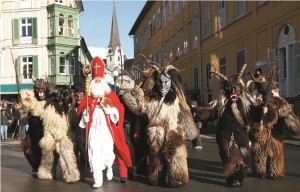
(100, 144)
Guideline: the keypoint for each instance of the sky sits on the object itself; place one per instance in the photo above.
(95, 24)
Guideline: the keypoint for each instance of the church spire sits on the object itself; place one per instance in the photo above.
(114, 35)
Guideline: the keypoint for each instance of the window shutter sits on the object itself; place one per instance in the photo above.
(20, 68)
(35, 66)
(16, 34)
(297, 66)
(34, 31)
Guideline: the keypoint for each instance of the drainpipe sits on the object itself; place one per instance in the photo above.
(200, 51)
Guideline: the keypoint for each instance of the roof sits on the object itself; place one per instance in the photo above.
(85, 50)
(142, 14)
(79, 5)
(128, 63)
(114, 34)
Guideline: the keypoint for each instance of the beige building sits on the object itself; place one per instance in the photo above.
(222, 36)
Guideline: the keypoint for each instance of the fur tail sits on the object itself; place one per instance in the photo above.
(286, 113)
(188, 125)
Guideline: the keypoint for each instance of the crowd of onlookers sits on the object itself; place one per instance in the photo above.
(14, 121)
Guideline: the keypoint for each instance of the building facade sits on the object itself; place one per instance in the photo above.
(38, 38)
(165, 31)
(222, 36)
(239, 32)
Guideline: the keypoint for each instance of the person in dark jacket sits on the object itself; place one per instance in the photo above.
(17, 117)
(4, 123)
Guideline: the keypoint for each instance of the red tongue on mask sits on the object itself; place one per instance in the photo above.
(234, 97)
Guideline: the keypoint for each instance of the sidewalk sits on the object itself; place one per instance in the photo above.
(292, 142)
(205, 134)
(210, 131)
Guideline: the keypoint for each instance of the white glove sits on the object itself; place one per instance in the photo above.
(85, 118)
(108, 110)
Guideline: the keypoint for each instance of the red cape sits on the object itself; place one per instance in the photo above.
(117, 130)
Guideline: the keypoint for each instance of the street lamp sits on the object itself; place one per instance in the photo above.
(115, 75)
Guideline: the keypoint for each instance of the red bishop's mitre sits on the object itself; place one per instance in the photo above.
(98, 67)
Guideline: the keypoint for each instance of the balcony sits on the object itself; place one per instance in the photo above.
(61, 40)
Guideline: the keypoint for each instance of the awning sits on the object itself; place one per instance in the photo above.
(13, 88)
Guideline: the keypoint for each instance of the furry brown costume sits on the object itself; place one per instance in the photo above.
(30, 144)
(57, 133)
(170, 123)
(267, 136)
(234, 107)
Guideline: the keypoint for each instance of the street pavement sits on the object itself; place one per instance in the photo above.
(205, 171)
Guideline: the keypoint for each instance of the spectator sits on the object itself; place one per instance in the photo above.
(23, 124)
(17, 118)
(4, 124)
(9, 111)
(196, 143)
(257, 72)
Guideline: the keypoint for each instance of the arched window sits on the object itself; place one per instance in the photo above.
(72, 64)
(289, 65)
(70, 26)
(61, 24)
(62, 63)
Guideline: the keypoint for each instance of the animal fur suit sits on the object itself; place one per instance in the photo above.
(166, 137)
(57, 136)
(234, 107)
(267, 138)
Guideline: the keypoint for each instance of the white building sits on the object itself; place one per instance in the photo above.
(38, 38)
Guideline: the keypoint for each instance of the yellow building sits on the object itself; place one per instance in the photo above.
(232, 33)
(166, 29)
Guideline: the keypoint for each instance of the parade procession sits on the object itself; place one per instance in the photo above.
(200, 106)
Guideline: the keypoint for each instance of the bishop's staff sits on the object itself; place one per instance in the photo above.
(86, 70)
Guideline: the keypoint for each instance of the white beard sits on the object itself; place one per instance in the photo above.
(96, 89)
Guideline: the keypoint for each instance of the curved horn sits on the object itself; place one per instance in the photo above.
(221, 75)
(152, 62)
(155, 67)
(33, 78)
(167, 68)
(241, 72)
(147, 73)
(144, 57)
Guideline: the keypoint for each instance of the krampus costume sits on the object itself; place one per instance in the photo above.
(234, 108)
(57, 134)
(267, 136)
(170, 123)
(30, 144)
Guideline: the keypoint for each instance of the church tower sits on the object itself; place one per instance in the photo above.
(115, 55)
